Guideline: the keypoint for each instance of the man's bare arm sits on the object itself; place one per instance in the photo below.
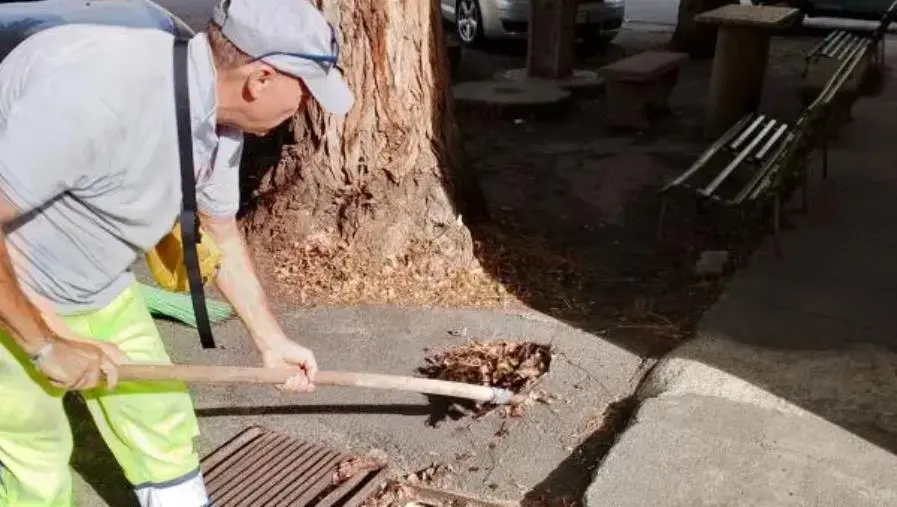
(239, 283)
(48, 313)
(19, 317)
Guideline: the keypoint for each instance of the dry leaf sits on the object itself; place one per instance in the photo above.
(352, 466)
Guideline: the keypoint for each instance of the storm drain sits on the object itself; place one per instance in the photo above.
(263, 468)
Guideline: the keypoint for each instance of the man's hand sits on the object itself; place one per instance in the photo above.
(285, 353)
(71, 361)
(74, 363)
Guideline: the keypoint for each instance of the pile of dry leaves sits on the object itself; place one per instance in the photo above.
(505, 364)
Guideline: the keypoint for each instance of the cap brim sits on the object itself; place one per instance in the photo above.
(331, 91)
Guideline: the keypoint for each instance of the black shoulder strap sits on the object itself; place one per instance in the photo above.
(189, 218)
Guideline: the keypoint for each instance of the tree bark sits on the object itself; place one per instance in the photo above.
(696, 39)
(551, 38)
(385, 190)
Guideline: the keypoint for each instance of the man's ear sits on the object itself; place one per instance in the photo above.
(258, 79)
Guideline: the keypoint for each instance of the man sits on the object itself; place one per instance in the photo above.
(89, 180)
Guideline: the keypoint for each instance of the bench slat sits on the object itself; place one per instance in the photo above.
(748, 132)
(843, 73)
(710, 152)
(846, 47)
(832, 43)
(774, 164)
(725, 173)
(823, 44)
(761, 178)
(783, 128)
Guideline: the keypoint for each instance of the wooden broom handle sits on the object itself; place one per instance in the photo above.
(255, 375)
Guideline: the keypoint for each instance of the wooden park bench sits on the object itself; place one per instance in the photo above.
(742, 168)
(639, 84)
(836, 99)
(762, 159)
(838, 45)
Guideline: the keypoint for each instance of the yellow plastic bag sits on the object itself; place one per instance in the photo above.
(167, 265)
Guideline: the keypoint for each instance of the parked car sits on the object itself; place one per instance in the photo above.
(856, 9)
(20, 19)
(597, 21)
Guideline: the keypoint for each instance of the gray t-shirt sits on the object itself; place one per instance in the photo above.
(89, 155)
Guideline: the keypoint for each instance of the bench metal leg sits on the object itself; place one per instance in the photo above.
(872, 79)
(825, 148)
(838, 115)
(776, 223)
(817, 75)
(660, 216)
(804, 191)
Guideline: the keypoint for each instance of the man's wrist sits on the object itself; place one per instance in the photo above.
(41, 353)
(30, 330)
(33, 345)
(266, 342)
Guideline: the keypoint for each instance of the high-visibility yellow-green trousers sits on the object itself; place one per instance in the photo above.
(149, 427)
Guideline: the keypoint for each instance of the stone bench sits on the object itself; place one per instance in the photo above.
(639, 84)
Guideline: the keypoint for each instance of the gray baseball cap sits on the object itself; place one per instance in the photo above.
(292, 36)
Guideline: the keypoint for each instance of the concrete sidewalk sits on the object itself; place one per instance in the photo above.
(788, 394)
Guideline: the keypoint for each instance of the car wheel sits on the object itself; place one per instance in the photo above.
(469, 22)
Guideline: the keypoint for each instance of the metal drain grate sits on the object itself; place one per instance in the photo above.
(263, 468)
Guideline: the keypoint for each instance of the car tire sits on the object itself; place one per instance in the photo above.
(469, 23)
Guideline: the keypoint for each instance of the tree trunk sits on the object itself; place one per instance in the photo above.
(551, 38)
(347, 208)
(696, 39)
